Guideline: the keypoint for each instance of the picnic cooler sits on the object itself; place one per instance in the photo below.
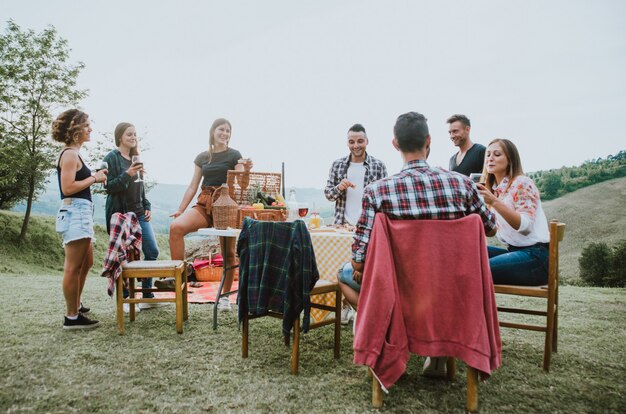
(211, 270)
(243, 187)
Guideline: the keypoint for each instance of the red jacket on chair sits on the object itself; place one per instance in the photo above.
(426, 289)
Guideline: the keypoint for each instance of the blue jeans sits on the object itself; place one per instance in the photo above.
(345, 277)
(519, 266)
(150, 251)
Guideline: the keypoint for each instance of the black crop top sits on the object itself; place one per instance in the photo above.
(81, 174)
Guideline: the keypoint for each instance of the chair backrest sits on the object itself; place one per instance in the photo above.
(277, 270)
(435, 275)
(557, 232)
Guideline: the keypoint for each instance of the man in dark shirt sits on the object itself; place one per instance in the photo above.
(471, 157)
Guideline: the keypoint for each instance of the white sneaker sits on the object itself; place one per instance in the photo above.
(152, 305)
(347, 314)
(224, 304)
(126, 307)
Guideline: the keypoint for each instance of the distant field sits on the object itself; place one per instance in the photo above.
(592, 214)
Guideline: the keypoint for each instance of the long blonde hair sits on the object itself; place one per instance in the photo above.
(216, 123)
(513, 167)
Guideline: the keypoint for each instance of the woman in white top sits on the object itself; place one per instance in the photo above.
(522, 224)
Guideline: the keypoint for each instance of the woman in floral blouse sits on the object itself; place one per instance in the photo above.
(522, 224)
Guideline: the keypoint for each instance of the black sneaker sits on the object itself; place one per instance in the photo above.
(83, 309)
(82, 322)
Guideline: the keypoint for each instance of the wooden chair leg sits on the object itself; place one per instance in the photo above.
(131, 295)
(244, 337)
(337, 323)
(555, 332)
(451, 369)
(472, 390)
(185, 293)
(120, 305)
(377, 392)
(179, 302)
(295, 351)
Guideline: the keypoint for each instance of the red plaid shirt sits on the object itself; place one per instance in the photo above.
(418, 192)
(125, 234)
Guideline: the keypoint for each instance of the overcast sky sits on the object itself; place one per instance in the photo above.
(293, 76)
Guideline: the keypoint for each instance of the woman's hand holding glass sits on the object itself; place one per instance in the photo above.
(135, 168)
(487, 195)
(246, 162)
(100, 176)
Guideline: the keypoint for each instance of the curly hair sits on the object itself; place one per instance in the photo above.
(68, 126)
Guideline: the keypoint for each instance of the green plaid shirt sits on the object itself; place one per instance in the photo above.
(277, 270)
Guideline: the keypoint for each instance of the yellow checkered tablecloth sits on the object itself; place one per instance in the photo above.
(332, 249)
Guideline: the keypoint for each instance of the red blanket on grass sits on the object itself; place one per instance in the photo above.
(204, 294)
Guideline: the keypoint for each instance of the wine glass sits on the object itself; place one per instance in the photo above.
(103, 166)
(303, 209)
(136, 159)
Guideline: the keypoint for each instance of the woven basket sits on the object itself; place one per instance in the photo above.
(241, 184)
(264, 215)
(212, 274)
(225, 210)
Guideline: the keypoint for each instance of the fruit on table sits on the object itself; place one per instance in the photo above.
(258, 206)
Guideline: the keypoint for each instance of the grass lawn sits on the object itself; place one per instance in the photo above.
(153, 369)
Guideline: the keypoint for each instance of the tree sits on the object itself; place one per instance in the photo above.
(35, 80)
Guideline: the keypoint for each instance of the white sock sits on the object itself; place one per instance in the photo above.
(72, 318)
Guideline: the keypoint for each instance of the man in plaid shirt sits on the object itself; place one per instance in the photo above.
(349, 175)
(417, 192)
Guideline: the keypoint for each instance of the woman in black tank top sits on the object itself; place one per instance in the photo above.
(72, 128)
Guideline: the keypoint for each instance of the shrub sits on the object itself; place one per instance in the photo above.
(602, 266)
(617, 273)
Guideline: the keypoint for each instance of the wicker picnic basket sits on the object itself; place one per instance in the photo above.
(265, 215)
(225, 210)
(212, 274)
(242, 185)
(207, 271)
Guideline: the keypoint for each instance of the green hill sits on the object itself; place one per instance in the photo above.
(592, 214)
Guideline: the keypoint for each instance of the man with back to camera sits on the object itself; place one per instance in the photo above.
(347, 178)
(435, 194)
(471, 157)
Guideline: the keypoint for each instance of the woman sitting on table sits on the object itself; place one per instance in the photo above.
(521, 222)
(211, 166)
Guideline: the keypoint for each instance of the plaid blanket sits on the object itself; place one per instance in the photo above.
(277, 271)
(124, 238)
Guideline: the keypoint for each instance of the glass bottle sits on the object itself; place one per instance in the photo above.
(292, 206)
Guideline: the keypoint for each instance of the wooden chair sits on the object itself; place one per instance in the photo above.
(321, 287)
(411, 270)
(549, 292)
(135, 269)
(265, 236)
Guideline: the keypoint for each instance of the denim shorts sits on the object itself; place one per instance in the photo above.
(345, 276)
(75, 220)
